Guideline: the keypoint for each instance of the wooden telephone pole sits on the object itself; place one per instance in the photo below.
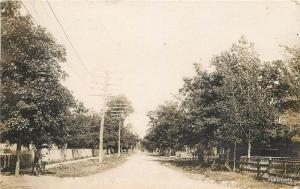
(101, 136)
(105, 96)
(102, 119)
(119, 140)
(121, 118)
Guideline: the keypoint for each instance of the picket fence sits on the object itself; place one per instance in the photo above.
(7, 160)
(265, 167)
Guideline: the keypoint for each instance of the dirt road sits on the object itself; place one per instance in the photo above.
(140, 171)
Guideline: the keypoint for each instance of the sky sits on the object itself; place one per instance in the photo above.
(147, 47)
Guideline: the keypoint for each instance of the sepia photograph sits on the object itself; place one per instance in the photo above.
(150, 94)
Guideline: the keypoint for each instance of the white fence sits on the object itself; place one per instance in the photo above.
(7, 160)
(59, 155)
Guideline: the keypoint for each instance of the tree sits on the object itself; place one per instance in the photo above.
(82, 128)
(239, 102)
(165, 127)
(291, 102)
(294, 76)
(33, 101)
(128, 138)
(247, 104)
(118, 109)
(200, 107)
(294, 66)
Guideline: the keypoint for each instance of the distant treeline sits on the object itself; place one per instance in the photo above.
(83, 128)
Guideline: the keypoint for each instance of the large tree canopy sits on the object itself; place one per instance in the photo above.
(33, 101)
(83, 126)
(239, 101)
(165, 129)
(118, 109)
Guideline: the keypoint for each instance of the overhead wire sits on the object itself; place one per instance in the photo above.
(62, 29)
(35, 21)
(35, 11)
(67, 37)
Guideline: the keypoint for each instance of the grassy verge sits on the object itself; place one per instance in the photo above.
(84, 168)
(232, 179)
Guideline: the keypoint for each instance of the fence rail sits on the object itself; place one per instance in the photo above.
(265, 167)
(8, 160)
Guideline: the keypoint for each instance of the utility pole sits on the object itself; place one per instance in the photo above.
(105, 96)
(120, 115)
(102, 119)
(119, 141)
(101, 136)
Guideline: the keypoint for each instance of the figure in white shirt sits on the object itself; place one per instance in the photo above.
(41, 158)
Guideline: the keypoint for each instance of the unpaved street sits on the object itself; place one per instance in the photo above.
(140, 171)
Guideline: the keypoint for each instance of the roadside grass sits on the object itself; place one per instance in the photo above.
(194, 169)
(88, 167)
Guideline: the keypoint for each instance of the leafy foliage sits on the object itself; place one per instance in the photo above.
(83, 126)
(165, 127)
(33, 101)
(118, 109)
(240, 101)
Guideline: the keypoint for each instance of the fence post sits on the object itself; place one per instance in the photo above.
(4, 165)
(298, 174)
(270, 164)
(248, 165)
(9, 160)
(258, 168)
(284, 168)
(241, 165)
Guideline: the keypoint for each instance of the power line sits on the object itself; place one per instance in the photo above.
(67, 37)
(29, 13)
(34, 9)
(36, 23)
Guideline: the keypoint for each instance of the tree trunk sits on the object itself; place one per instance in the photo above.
(17, 170)
(249, 146)
(234, 156)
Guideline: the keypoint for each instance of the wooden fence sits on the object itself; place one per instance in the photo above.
(8, 160)
(266, 167)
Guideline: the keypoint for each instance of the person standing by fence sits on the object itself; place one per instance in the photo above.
(41, 158)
